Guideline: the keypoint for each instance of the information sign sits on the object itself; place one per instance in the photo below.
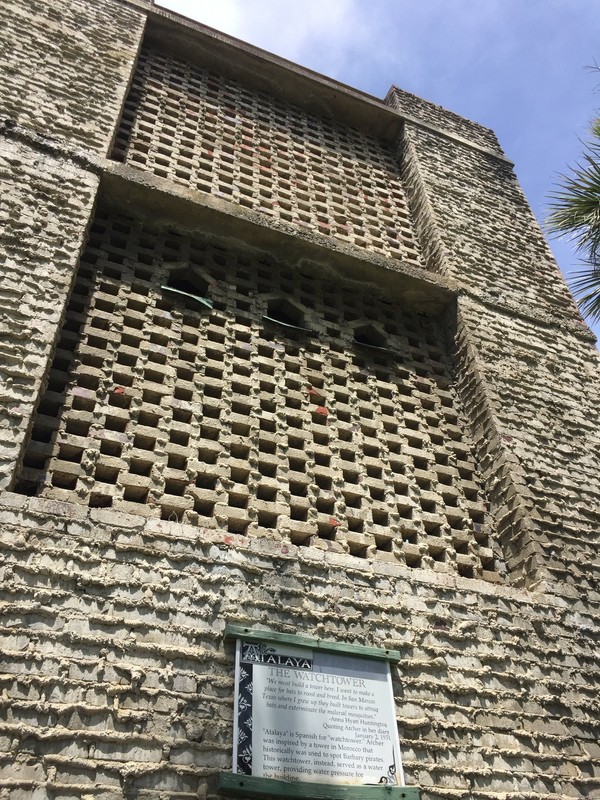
(312, 715)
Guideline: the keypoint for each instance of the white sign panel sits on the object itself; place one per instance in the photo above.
(310, 715)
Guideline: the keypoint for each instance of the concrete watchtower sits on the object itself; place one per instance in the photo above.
(281, 354)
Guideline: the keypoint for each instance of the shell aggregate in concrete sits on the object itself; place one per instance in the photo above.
(378, 426)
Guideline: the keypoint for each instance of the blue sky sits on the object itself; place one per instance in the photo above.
(518, 66)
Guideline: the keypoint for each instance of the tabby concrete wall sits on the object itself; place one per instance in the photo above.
(535, 357)
(117, 683)
(46, 204)
(65, 71)
(66, 66)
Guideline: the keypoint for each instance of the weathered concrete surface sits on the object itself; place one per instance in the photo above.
(272, 75)
(166, 203)
(118, 683)
(64, 70)
(46, 204)
(527, 355)
(214, 134)
(115, 681)
(167, 409)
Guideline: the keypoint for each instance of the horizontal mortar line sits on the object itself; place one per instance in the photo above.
(141, 714)
(60, 732)
(185, 650)
(111, 764)
(200, 656)
(92, 790)
(56, 146)
(254, 548)
(579, 331)
(108, 691)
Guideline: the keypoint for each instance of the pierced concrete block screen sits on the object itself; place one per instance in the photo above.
(160, 405)
(213, 134)
(281, 353)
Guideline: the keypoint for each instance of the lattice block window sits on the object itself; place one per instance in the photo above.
(212, 134)
(256, 400)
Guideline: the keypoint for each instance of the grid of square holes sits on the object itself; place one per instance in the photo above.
(220, 418)
(212, 134)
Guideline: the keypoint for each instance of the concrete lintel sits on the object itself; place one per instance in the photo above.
(167, 204)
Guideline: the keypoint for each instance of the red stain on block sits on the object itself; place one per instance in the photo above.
(322, 410)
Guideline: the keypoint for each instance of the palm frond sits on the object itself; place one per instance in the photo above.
(586, 286)
(575, 213)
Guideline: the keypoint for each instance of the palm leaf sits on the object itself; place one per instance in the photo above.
(575, 213)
